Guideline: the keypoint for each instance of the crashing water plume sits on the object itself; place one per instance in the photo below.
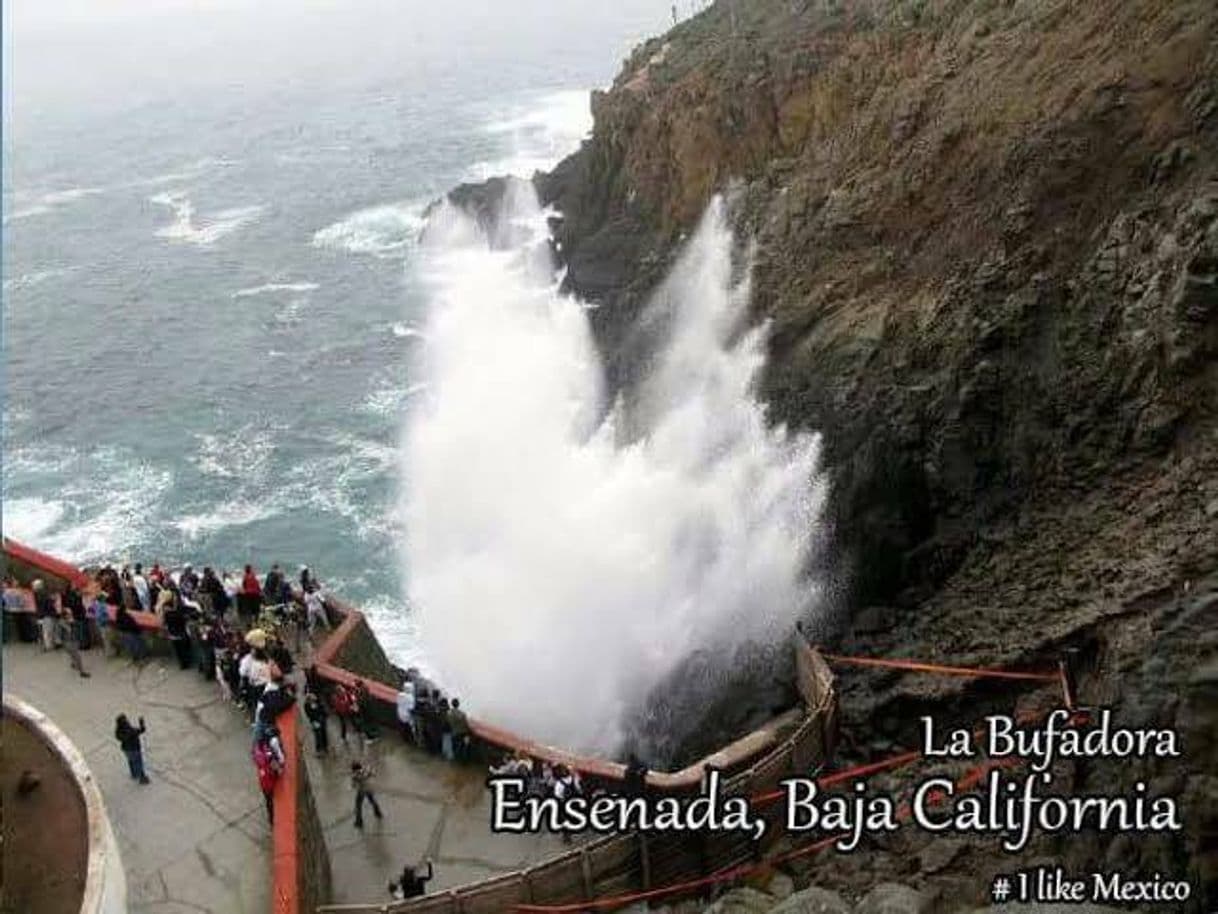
(565, 573)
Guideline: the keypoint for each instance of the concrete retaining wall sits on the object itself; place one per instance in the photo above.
(357, 648)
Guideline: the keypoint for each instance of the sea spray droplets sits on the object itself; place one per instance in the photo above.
(560, 574)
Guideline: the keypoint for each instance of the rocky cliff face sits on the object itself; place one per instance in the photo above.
(985, 238)
(986, 242)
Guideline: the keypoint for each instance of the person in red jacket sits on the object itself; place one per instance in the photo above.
(268, 766)
(343, 701)
(249, 600)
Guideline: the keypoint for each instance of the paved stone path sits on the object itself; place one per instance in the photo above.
(196, 839)
(432, 808)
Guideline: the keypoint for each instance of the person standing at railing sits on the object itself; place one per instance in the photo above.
(315, 609)
(249, 601)
(272, 588)
(45, 610)
(74, 603)
(129, 631)
(16, 607)
(308, 583)
(174, 620)
(100, 610)
(315, 711)
(140, 584)
(213, 590)
(444, 722)
(405, 711)
(232, 588)
(343, 702)
(362, 712)
(69, 634)
(458, 726)
(188, 581)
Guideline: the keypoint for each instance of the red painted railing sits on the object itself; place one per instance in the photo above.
(48, 563)
(285, 849)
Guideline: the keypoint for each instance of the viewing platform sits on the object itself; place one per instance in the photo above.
(197, 839)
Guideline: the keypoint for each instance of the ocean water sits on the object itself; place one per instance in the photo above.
(212, 299)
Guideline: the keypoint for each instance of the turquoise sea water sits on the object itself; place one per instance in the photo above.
(210, 301)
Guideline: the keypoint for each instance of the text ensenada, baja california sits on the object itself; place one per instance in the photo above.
(1010, 805)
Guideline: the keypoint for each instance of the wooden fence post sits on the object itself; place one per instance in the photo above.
(644, 860)
(585, 866)
(527, 878)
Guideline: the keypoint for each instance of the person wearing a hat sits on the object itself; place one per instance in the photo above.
(256, 637)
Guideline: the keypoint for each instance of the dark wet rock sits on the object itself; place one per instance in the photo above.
(940, 854)
(813, 901)
(742, 901)
(892, 898)
(781, 886)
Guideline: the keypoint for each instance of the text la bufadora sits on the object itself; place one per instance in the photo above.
(1013, 804)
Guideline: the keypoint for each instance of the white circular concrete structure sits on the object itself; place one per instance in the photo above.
(105, 889)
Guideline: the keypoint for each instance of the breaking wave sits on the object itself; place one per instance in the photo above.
(381, 231)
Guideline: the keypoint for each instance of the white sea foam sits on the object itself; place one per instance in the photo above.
(389, 400)
(50, 202)
(334, 484)
(225, 516)
(602, 545)
(394, 624)
(208, 229)
(274, 288)
(242, 453)
(30, 519)
(107, 502)
(405, 331)
(381, 231)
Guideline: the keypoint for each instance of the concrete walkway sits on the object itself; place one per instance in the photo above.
(196, 839)
(432, 808)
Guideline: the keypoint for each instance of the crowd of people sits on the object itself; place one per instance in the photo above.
(234, 631)
(431, 720)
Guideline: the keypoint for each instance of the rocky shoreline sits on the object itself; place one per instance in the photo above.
(985, 239)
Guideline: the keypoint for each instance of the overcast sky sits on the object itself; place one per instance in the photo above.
(64, 55)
